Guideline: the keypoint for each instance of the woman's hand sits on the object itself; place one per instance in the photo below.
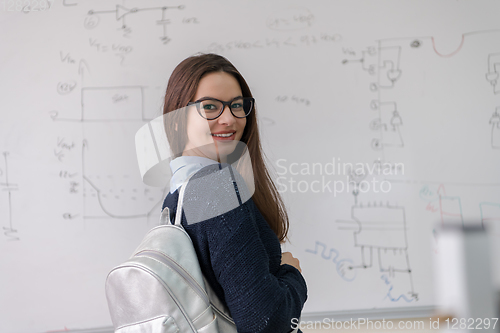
(287, 258)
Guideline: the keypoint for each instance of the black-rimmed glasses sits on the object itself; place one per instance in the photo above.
(211, 108)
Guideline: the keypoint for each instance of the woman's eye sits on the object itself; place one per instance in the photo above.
(236, 106)
(209, 107)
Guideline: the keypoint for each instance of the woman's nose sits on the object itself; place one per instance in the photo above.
(226, 117)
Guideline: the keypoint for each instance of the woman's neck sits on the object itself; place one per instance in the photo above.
(197, 152)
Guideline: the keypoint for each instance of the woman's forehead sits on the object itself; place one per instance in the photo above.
(220, 85)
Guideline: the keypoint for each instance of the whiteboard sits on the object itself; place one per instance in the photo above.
(400, 95)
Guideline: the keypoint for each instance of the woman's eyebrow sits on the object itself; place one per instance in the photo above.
(210, 97)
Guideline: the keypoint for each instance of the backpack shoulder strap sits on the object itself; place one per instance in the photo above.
(178, 214)
(165, 216)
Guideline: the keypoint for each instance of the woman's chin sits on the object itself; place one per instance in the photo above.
(221, 149)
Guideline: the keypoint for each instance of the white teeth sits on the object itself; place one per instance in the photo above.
(223, 135)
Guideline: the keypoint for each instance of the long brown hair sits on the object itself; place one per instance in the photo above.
(181, 90)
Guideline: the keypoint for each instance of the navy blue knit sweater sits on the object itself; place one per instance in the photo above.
(240, 255)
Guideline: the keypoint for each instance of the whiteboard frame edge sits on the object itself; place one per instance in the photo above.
(382, 313)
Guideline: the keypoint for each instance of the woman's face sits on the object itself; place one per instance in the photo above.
(208, 138)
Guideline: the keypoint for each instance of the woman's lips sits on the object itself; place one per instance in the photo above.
(228, 136)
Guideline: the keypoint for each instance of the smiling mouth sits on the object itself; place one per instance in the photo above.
(224, 136)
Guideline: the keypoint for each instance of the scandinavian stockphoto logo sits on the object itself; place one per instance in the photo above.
(336, 176)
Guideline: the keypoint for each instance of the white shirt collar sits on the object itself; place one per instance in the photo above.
(184, 166)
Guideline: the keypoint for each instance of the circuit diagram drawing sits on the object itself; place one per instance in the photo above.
(388, 73)
(111, 189)
(493, 74)
(389, 67)
(7, 189)
(490, 212)
(118, 112)
(447, 206)
(110, 186)
(450, 207)
(383, 62)
(342, 265)
(418, 88)
(388, 123)
(387, 63)
(121, 13)
(379, 232)
(121, 103)
(493, 77)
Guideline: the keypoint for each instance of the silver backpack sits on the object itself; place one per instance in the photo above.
(161, 288)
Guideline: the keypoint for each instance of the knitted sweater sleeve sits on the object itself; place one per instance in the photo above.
(259, 300)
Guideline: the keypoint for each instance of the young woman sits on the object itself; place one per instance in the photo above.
(239, 247)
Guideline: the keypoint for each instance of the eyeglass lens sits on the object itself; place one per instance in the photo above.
(211, 109)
